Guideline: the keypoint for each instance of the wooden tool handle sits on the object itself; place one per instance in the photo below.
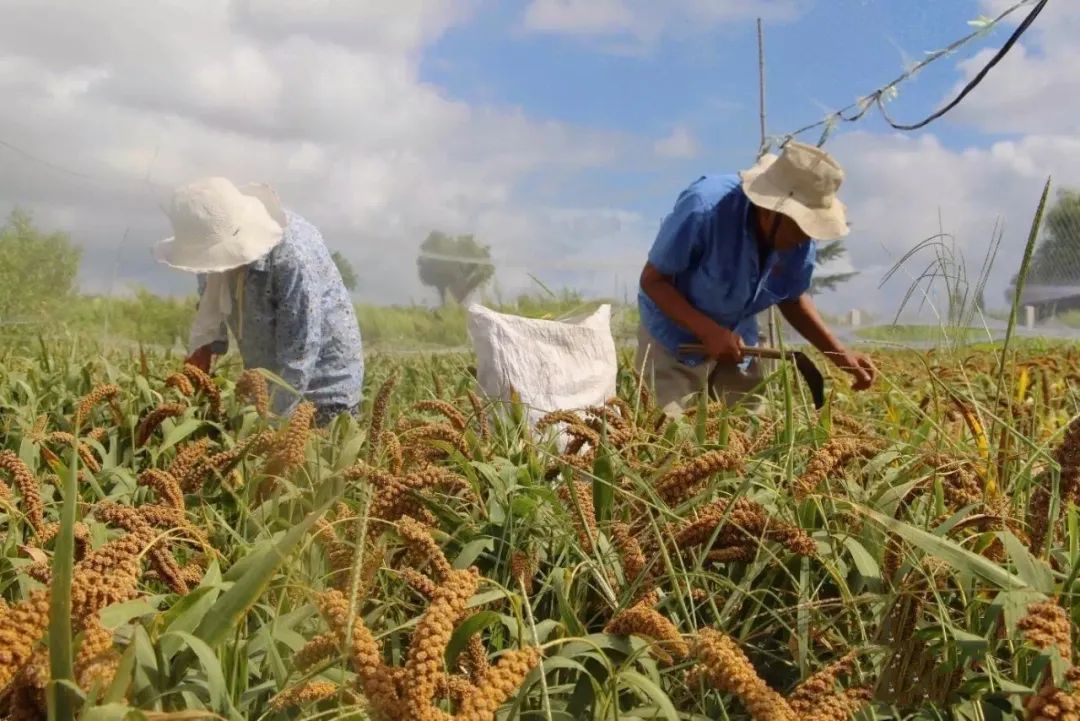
(773, 353)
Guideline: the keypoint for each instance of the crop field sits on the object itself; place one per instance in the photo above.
(169, 550)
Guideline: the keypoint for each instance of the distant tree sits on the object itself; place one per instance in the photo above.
(826, 253)
(37, 269)
(1057, 256)
(348, 273)
(439, 267)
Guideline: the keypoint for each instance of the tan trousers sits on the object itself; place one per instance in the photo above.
(675, 384)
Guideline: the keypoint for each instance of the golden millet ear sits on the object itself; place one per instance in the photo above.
(154, 418)
(86, 404)
(29, 489)
(684, 480)
(207, 386)
(251, 386)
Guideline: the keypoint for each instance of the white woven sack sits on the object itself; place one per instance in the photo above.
(553, 365)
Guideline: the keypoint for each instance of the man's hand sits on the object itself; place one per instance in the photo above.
(860, 367)
(722, 345)
(201, 358)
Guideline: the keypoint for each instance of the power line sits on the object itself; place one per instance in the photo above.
(879, 97)
(57, 168)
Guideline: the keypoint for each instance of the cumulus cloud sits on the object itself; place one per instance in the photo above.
(119, 102)
(900, 185)
(645, 21)
(1035, 89)
(901, 190)
(679, 143)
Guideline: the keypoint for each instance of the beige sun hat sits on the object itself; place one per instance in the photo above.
(802, 184)
(218, 227)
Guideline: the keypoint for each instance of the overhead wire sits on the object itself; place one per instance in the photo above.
(857, 110)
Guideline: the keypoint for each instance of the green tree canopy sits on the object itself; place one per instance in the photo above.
(37, 269)
(827, 252)
(348, 273)
(439, 267)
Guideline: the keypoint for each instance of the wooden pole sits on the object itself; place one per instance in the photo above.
(761, 148)
(761, 82)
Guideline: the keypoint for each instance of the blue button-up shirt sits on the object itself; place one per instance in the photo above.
(292, 316)
(709, 245)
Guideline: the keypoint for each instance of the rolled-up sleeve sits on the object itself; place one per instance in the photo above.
(299, 321)
(681, 236)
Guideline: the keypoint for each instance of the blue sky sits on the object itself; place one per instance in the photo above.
(557, 131)
(705, 82)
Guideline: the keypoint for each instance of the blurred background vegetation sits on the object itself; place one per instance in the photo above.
(39, 293)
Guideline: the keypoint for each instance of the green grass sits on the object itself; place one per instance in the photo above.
(164, 322)
(921, 334)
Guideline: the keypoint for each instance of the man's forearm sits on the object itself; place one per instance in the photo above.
(802, 314)
(674, 305)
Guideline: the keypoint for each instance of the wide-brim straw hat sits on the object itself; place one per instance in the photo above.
(219, 227)
(801, 183)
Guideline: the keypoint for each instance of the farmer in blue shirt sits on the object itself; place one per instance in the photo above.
(732, 247)
(265, 273)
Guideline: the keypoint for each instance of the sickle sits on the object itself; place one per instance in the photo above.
(809, 372)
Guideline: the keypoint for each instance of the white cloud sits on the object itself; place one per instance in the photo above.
(323, 99)
(679, 143)
(897, 185)
(644, 21)
(1035, 88)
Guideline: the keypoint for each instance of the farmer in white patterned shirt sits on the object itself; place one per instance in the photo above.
(265, 273)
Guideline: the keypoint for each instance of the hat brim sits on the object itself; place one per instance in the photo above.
(818, 223)
(257, 235)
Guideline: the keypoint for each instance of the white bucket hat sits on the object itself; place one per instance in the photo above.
(218, 227)
(802, 184)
